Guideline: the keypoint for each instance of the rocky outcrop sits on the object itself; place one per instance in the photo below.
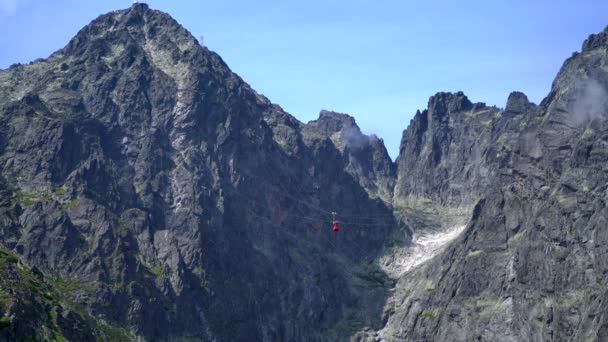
(365, 157)
(518, 103)
(443, 151)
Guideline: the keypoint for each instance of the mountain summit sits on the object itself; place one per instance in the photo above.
(148, 193)
(174, 200)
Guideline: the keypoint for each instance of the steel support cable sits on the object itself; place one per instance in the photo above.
(309, 218)
(312, 206)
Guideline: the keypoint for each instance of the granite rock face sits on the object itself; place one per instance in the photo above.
(442, 151)
(365, 157)
(531, 262)
(135, 163)
(148, 193)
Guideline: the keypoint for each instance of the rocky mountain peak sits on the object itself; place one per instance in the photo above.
(364, 157)
(443, 103)
(341, 128)
(578, 93)
(518, 103)
(335, 121)
(442, 147)
(596, 40)
(139, 21)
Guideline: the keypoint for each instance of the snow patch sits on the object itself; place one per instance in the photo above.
(425, 246)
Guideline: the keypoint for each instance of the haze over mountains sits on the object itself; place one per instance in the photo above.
(149, 193)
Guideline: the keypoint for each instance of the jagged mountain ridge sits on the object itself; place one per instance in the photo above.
(182, 204)
(530, 265)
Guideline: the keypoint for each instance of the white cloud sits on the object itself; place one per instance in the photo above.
(8, 7)
(591, 100)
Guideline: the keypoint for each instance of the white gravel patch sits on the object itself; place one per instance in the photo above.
(424, 247)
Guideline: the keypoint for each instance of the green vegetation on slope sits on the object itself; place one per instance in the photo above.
(37, 302)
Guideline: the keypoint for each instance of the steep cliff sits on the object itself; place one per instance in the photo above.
(531, 263)
(138, 166)
(365, 157)
(442, 152)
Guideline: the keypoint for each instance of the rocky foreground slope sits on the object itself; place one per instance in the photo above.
(148, 193)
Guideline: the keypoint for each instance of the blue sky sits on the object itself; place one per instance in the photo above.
(376, 60)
